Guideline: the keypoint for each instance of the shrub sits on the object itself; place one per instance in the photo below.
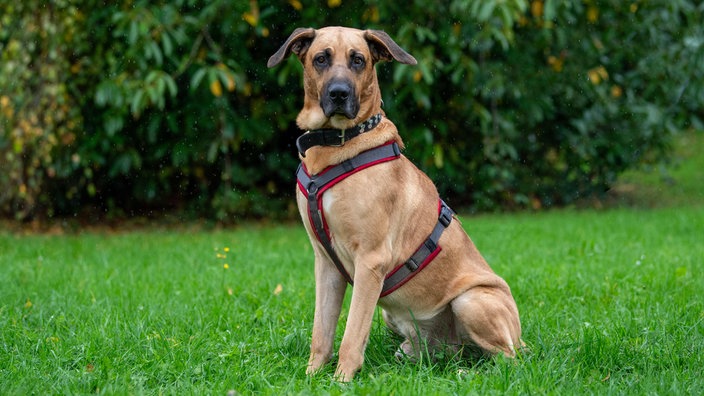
(138, 106)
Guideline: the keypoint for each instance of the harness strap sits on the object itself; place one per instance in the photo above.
(313, 188)
(422, 256)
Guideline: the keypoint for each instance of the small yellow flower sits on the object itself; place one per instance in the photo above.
(28, 304)
(227, 249)
(226, 266)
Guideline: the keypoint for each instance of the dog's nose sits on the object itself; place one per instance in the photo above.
(339, 93)
(338, 97)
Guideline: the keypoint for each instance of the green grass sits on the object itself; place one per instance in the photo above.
(610, 300)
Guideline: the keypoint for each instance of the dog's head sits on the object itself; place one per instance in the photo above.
(340, 84)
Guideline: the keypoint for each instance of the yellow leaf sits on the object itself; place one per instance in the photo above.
(536, 8)
(216, 88)
(334, 3)
(594, 77)
(417, 76)
(597, 75)
(371, 14)
(616, 91)
(592, 14)
(250, 18)
(28, 304)
(556, 63)
(296, 4)
(278, 289)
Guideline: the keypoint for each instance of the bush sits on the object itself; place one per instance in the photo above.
(141, 107)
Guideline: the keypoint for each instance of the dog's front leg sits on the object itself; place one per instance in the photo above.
(330, 288)
(365, 294)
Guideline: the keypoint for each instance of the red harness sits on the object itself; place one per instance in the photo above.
(313, 187)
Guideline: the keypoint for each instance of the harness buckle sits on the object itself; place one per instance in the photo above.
(445, 217)
(312, 188)
(411, 264)
(430, 245)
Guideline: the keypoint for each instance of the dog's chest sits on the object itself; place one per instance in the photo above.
(329, 200)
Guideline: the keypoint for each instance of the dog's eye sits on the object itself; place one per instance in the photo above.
(320, 60)
(357, 61)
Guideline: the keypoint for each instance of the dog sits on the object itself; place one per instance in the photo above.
(382, 227)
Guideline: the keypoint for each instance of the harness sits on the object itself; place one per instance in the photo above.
(314, 186)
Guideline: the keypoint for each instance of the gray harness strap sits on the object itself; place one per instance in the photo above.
(313, 187)
(422, 257)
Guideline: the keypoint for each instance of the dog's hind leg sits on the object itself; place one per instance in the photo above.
(487, 318)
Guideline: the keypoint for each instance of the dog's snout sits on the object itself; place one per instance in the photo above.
(339, 98)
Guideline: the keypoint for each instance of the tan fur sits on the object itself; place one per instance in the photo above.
(377, 218)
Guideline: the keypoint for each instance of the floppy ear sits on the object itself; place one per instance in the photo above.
(383, 47)
(298, 42)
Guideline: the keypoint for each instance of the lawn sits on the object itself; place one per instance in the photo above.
(610, 300)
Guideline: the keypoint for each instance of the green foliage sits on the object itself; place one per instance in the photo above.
(38, 111)
(141, 106)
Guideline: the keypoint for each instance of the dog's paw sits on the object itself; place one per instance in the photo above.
(406, 351)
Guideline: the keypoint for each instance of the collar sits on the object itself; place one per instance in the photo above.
(334, 137)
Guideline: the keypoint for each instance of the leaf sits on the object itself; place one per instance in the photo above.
(438, 157)
(137, 104)
(170, 85)
(197, 78)
(156, 53)
(167, 44)
(216, 88)
(486, 10)
(278, 289)
(549, 10)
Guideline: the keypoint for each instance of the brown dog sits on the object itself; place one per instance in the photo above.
(367, 226)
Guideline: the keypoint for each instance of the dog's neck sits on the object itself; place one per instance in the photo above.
(319, 157)
(335, 137)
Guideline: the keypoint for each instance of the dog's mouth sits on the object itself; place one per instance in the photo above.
(339, 98)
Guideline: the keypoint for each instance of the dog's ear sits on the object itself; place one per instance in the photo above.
(298, 42)
(383, 47)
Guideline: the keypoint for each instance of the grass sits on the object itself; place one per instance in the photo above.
(610, 300)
